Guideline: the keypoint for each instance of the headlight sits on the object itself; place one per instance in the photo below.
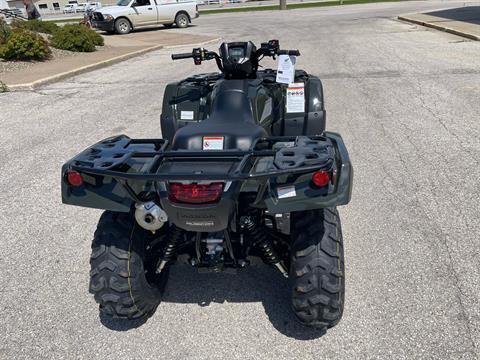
(108, 17)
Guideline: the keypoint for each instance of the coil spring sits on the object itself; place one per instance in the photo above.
(174, 237)
(263, 241)
(265, 245)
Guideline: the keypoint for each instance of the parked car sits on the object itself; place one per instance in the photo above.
(93, 6)
(69, 8)
(81, 7)
(133, 14)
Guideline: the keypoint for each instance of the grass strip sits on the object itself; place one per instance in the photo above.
(269, 7)
(293, 6)
(72, 20)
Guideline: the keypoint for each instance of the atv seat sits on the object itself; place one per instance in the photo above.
(231, 118)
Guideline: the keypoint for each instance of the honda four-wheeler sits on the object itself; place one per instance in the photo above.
(243, 172)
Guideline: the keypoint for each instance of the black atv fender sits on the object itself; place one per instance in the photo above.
(313, 120)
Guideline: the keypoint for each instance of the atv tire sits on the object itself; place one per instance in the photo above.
(317, 268)
(118, 278)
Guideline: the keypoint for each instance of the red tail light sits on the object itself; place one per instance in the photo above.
(74, 178)
(321, 178)
(195, 193)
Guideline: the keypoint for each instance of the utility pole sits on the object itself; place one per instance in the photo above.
(283, 4)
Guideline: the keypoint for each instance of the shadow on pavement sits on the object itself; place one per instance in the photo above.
(470, 14)
(254, 284)
(145, 30)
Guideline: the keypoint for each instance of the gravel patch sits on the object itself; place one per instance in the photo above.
(9, 66)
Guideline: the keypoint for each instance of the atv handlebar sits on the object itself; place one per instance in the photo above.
(212, 54)
(237, 59)
(182, 56)
(270, 48)
(198, 55)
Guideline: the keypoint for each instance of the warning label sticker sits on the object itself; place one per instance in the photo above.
(286, 192)
(213, 143)
(296, 98)
(186, 115)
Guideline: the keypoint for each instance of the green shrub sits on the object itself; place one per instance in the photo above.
(24, 45)
(46, 27)
(3, 87)
(5, 31)
(76, 38)
(96, 37)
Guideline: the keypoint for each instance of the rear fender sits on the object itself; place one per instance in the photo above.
(306, 197)
(119, 172)
(99, 192)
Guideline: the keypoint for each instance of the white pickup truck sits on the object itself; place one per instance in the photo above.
(134, 14)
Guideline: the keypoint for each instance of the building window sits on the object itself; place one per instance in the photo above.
(42, 6)
(56, 6)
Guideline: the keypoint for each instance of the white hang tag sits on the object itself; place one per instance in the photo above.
(296, 98)
(286, 69)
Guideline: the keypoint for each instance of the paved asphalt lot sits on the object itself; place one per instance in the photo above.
(406, 100)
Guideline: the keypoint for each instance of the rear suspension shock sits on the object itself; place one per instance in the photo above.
(263, 243)
(174, 237)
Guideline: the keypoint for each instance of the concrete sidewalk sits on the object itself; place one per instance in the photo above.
(463, 21)
(117, 48)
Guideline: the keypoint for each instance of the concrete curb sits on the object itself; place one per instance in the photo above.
(440, 27)
(193, 44)
(95, 66)
(81, 70)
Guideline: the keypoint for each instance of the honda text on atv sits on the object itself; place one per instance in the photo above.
(240, 173)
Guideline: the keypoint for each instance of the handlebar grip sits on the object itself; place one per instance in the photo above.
(289, 52)
(182, 56)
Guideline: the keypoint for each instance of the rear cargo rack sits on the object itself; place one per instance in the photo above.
(119, 171)
(126, 159)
